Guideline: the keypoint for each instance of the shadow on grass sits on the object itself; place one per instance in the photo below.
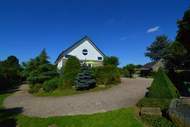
(8, 116)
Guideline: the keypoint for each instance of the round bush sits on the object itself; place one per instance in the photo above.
(52, 84)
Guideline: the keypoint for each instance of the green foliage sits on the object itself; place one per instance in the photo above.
(10, 73)
(112, 60)
(184, 30)
(157, 121)
(156, 50)
(52, 84)
(85, 79)
(70, 71)
(130, 68)
(175, 56)
(107, 75)
(162, 87)
(125, 72)
(34, 88)
(39, 69)
(154, 102)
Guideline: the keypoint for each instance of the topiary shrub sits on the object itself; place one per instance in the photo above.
(70, 71)
(106, 75)
(162, 87)
(84, 79)
(52, 84)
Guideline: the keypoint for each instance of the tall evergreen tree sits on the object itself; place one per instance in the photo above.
(156, 50)
(183, 35)
(39, 69)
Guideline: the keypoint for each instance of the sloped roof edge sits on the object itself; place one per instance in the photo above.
(76, 44)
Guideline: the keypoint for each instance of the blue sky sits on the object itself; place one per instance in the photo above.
(123, 28)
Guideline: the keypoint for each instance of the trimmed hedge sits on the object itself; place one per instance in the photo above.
(157, 121)
(162, 87)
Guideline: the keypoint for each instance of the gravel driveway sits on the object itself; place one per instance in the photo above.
(123, 95)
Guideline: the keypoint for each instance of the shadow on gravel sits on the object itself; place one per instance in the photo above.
(7, 116)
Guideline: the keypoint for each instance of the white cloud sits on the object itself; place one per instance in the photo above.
(153, 29)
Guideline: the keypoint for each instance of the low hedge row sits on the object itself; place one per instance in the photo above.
(154, 102)
(157, 121)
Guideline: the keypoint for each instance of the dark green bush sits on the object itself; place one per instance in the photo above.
(154, 102)
(52, 84)
(182, 81)
(70, 71)
(85, 79)
(162, 87)
(107, 75)
(157, 121)
(10, 73)
(112, 60)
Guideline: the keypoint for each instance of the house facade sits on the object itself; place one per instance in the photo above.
(85, 50)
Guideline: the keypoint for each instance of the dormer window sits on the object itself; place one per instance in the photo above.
(85, 52)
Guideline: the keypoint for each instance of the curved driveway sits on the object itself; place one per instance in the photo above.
(123, 95)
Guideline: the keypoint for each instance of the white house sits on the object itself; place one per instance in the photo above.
(85, 50)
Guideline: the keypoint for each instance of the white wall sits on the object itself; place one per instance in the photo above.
(93, 54)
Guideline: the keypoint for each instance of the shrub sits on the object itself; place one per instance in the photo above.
(70, 71)
(10, 73)
(162, 87)
(39, 69)
(34, 88)
(107, 75)
(157, 121)
(52, 84)
(84, 79)
(112, 60)
(125, 73)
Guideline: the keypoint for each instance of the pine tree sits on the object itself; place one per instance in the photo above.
(84, 79)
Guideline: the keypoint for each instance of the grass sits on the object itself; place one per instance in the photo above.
(69, 91)
(2, 97)
(118, 118)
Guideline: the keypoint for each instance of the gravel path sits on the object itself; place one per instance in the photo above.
(123, 95)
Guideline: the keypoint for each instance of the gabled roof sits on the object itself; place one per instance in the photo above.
(76, 44)
(148, 66)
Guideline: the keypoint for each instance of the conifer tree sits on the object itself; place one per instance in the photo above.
(84, 79)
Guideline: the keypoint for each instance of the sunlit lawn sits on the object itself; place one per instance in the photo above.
(118, 118)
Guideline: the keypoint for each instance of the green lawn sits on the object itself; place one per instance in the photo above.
(70, 91)
(119, 118)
